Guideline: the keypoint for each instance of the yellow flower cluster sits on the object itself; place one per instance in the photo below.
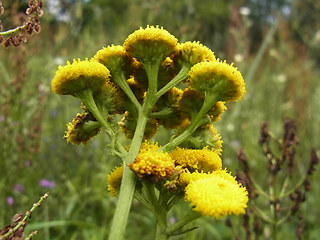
(81, 129)
(151, 44)
(194, 159)
(150, 66)
(114, 181)
(218, 78)
(78, 76)
(156, 165)
(211, 190)
(216, 194)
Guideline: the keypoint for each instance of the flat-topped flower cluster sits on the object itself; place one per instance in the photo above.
(153, 80)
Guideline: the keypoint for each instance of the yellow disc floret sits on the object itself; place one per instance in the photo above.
(82, 129)
(191, 53)
(152, 164)
(79, 76)
(218, 78)
(114, 181)
(200, 160)
(150, 45)
(116, 59)
(216, 195)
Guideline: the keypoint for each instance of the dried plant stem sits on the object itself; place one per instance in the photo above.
(26, 216)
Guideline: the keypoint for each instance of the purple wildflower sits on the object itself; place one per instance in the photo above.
(10, 200)
(19, 188)
(47, 183)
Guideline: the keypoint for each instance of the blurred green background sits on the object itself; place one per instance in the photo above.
(274, 43)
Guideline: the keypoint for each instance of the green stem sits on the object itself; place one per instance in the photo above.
(173, 201)
(273, 205)
(87, 98)
(121, 81)
(161, 219)
(284, 187)
(177, 226)
(120, 217)
(152, 71)
(182, 75)
(11, 31)
(209, 101)
(262, 215)
(259, 189)
(163, 113)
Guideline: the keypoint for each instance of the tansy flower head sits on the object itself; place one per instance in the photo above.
(191, 53)
(216, 195)
(81, 129)
(186, 177)
(190, 102)
(194, 159)
(150, 45)
(218, 78)
(146, 146)
(79, 76)
(217, 110)
(168, 103)
(116, 59)
(205, 136)
(109, 98)
(114, 181)
(152, 165)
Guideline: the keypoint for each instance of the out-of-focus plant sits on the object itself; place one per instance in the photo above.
(17, 35)
(15, 231)
(153, 80)
(288, 183)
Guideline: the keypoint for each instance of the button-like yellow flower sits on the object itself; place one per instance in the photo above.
(217, 194)
(116, 59)
(152, 164)
(194, 159)
(217, 110)
(150, 45)
(81, 129)
(205, 136)
(219, 79)
(191, 53)
(79, 76)
(109, 98)
(114, 181)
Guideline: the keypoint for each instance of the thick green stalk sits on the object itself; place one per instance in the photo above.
(161, 219)
(120, 217)
(128, 182)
